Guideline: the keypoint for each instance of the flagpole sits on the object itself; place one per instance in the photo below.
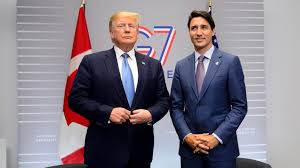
(214, 37)
(82, 3)
(75, 132)
(209, 6)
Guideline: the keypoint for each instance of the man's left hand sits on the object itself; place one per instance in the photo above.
(211, 141)
(140, 116)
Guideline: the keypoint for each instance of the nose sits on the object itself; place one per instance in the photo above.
(199, 32)
(127, 28)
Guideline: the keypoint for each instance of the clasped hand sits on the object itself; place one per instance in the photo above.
(201, 143)
(120, 115)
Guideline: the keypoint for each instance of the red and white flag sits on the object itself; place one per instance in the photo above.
(73, 126)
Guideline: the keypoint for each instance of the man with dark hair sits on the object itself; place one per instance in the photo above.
(122, 93)
(208, 100)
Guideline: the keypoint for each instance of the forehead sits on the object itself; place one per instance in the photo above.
(125, 19)
(199, 21)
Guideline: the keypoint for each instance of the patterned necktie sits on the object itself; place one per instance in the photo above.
(200, 73)
(127, 79)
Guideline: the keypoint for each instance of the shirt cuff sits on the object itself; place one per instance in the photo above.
(149, 123)
(185, 137)
(219, 139)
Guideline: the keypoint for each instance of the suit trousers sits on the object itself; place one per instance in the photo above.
(130, 164)
(204, 162)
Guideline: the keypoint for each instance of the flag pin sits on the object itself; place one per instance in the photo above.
(217, 63)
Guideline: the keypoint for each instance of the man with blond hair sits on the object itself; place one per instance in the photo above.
(122, 93)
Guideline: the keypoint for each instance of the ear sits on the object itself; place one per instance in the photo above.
(214, 32)
(112, 36)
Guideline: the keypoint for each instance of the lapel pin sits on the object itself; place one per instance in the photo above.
(217, 63)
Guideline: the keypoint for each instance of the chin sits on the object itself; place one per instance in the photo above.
(130, 42)
(200, 46)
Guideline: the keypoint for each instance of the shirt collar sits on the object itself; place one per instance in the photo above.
(119, 53)
(207, 54)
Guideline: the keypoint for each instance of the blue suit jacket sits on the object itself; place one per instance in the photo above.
(219, 108)
(98, 88)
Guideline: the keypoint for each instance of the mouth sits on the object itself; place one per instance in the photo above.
(199, 39)
(127, 37)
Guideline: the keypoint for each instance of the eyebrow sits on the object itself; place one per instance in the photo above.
(201, 25)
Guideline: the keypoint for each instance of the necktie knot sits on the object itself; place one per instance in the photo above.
(201, 58)
(125, 60)
(125, 55)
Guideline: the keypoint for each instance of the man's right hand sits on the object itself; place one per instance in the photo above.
(196, 143)
(119, 115)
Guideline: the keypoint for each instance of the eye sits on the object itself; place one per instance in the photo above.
(132, 26)
(194, 27)
(204, 27)
(121, 26)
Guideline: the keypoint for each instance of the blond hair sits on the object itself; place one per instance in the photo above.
(123, 14)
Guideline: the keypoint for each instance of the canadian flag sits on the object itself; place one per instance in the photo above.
(73, 126)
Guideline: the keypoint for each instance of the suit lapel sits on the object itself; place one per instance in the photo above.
(142, 76)
(191, 69)
(214, 65)
(113, 69)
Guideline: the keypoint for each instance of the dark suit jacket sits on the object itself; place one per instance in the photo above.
(219, 108)
(98, 88)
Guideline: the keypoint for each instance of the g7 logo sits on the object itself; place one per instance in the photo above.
(149, 51)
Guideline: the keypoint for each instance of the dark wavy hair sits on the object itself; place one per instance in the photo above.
(205, 15)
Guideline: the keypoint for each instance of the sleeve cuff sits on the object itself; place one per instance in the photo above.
(185, 137)
(219, 139)
(149, 123)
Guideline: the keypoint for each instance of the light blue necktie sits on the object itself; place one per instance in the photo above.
(127, 79)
